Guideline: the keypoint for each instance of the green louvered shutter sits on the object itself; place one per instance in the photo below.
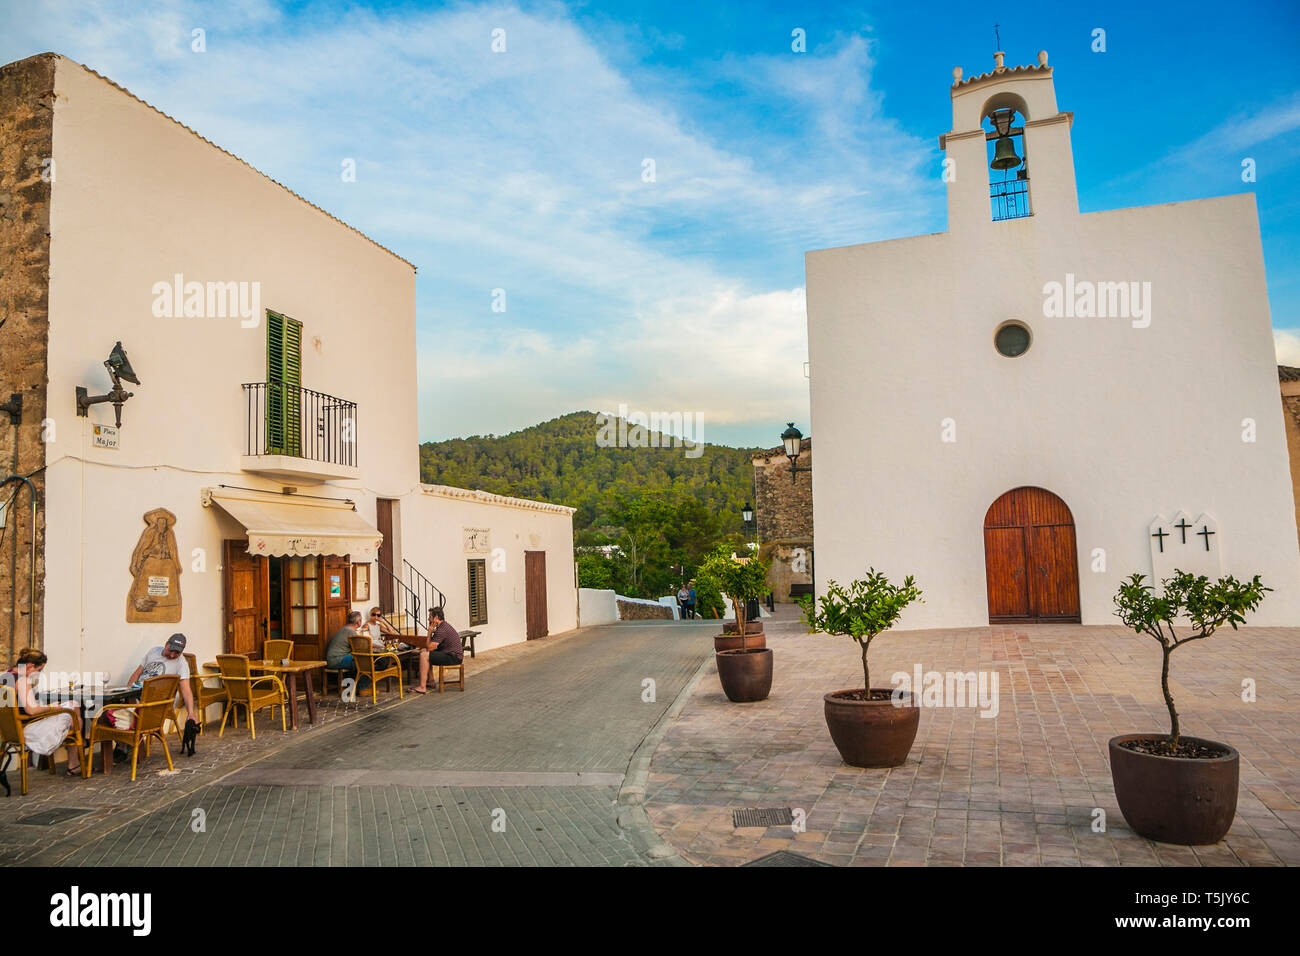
(283, 384)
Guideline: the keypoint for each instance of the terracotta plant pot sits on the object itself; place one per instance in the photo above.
(1190, 802)
(872, 733)
(731, 642)
(751, 627)
(746, 676)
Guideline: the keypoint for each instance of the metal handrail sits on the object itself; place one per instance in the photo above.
(300, 423)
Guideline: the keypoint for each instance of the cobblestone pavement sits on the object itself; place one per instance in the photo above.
(538, 743)
(1017, 789)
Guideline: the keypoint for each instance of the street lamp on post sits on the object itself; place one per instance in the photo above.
(792, 438)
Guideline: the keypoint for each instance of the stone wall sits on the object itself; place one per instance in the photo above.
(784, 512)
(640, 611)
(26, 176)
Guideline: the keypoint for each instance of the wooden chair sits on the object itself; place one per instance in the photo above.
(375, 665)
(326, 673)
(442, 684)
(277, 650)
(11, 731)
(12, 721)
(157, 700)
(245, 692)
(204, 697)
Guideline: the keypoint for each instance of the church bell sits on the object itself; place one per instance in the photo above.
(1004, 154)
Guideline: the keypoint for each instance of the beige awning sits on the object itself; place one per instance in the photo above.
(298, 525)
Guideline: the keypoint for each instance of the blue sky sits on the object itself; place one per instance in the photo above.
(523, 170)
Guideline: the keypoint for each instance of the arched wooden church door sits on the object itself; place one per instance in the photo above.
(1029, 558)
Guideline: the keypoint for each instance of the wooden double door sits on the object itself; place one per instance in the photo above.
(305, 599)
(1030, 558)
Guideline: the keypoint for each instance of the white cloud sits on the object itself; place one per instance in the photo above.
(523, 170)
(1287, 345)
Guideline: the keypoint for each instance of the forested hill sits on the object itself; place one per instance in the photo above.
(560, 461)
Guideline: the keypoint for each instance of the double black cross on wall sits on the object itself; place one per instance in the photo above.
(1160, 534)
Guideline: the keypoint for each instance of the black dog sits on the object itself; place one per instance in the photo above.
(190, 736)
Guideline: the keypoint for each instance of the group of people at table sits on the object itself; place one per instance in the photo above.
(44, 735)
(442, 647)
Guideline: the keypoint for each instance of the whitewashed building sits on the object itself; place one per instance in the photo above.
(264, 478)
(1028, 407)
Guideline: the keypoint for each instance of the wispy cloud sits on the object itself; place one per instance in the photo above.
(524, 170)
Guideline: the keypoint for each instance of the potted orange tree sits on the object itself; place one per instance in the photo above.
(1171, 787)
(871, 726)
(745, 671)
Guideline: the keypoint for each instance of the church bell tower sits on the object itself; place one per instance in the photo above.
(1008, 154)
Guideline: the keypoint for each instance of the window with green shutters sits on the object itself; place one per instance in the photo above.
(283, 385)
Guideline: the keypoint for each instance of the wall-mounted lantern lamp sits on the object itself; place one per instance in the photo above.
(747, 513)
(792, 438)
(119, 367)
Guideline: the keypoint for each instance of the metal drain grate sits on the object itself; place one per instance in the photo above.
(762, 817)
(48, 818)
(785, 858)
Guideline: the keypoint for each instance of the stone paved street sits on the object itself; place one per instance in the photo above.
(1018, 789)
(540, 740)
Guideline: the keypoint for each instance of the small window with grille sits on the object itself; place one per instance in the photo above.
(477, 592)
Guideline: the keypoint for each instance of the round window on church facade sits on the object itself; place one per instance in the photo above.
(1012, 339)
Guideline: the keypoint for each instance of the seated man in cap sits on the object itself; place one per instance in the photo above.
(168, 659)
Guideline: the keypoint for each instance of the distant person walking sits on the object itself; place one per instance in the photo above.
(684, 601)
(694, 597)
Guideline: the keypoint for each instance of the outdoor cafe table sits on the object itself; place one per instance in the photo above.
(290, 672)
(87, 698)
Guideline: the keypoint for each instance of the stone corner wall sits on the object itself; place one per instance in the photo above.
(27, 175)
(784, 512)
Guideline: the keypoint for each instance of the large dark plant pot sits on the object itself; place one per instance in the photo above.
(1175, 799)
(751, 627)
(731, 642)
(746, 676)
(874, 733)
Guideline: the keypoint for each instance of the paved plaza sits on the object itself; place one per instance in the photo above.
(1018, 789)
(615, 746)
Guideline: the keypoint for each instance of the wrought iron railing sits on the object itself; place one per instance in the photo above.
(1010, 199)
(300, 423)
(430, 594)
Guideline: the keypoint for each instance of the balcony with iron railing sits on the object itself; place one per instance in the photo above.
(1009, 198)
(298, 433)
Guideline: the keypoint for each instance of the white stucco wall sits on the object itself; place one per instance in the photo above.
(597, 606)
(1123, 423)
(433, 522)
(136, 199)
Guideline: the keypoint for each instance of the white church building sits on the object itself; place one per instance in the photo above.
(1029, 407)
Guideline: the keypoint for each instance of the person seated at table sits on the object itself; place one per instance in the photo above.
(444, 647)
(380, 630)
(46, 735)
(168, 659)
(338, 652)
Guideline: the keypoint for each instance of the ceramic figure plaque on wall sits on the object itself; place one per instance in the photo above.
(155, 595)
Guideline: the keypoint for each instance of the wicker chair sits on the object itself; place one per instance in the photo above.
(11, 731)
(277, 650)
(12, 721)
(204, 697)
(157, 701)
(375, 665)
(245, 692)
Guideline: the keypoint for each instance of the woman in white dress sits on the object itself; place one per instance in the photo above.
(46, 735)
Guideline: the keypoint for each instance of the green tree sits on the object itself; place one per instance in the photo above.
(861, 611)
(1207, 606)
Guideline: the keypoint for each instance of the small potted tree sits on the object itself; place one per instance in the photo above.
(745, 671)
(871, 726)
(1173, 788)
